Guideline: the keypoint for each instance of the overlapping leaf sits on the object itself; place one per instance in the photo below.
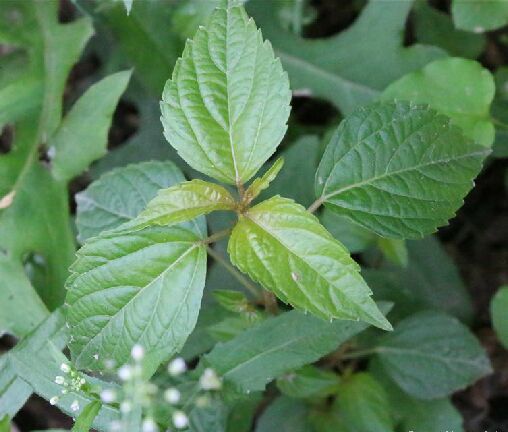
(226, 106)
(479, 16)
(282, 246)
(399, 169)
(135, 288)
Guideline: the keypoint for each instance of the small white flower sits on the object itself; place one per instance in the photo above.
(209, 380)
(82, 381)
(149, 425)
(172, 395)
(137, 352)
(54, 400)
(59, 380)
(125, 373)
(75, 406)
(65, 368)
(125, 407)
(180, 419)
(177, 366)
(108, 395)
(96, 356)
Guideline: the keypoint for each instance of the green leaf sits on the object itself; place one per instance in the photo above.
(350, 68)
(86, 417)
(499, 313)
(33, 364)
(400, 170)
(433, 27)
(431, 355)
(5, 424)
(239, 99)
(395, 251)
(355, 237)
(184, 202)
(479, 16)
(276, 346)
(458, 88)
(21, 309)
(120, 195)
(284, 248)
(135, 288)
(363, 404)
(284, 415)
(430, 281)
(82, 137)
(416, 414)
(308, 382)
(146, 37)
(210, 418)
(263, 182)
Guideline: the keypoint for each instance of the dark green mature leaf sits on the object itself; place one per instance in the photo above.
(348, 69)
(479, 16)
(210, 418)
(184, 202)
(430, 281)
(34, 363)
(458, 88)
(240, 99)
(284, 248)
(431, 355)
(400, 170)
(416, 414)
(87, 416)
(363, 404)
(120, 195)
(135, 288)
(434, 27)
(284, 415)
(278, 345)
(82, 137)
(21, 309)
(499, 313)
(308, 382)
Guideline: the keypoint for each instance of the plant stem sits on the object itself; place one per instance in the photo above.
(270, 302)
(315, 205)
(217, 236)
(235, 273)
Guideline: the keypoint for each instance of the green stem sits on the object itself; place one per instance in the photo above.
(234, 272)
(217, 236)
(297, 17)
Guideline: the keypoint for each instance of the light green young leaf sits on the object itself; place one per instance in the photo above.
(85, 419)
(82, 137)
(394, 250)
(499, 313)
(5, 424)
(308, 382)
(21, 309)
(261, 183)
(120, 195)
(183, 202)
(135, 288)
(458, 88)
(400, 170)
(284, 248)
(363, 404)
(479, 16)
(349, 68)
(434, 27)
(239, 99)
(431, 355)
(278, 345)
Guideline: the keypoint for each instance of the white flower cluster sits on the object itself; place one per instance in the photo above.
(71, 381)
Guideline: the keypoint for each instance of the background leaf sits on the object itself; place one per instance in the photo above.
(479, 16)
(423, 167)
(461, 89)
(499, 312)
(431, 355)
